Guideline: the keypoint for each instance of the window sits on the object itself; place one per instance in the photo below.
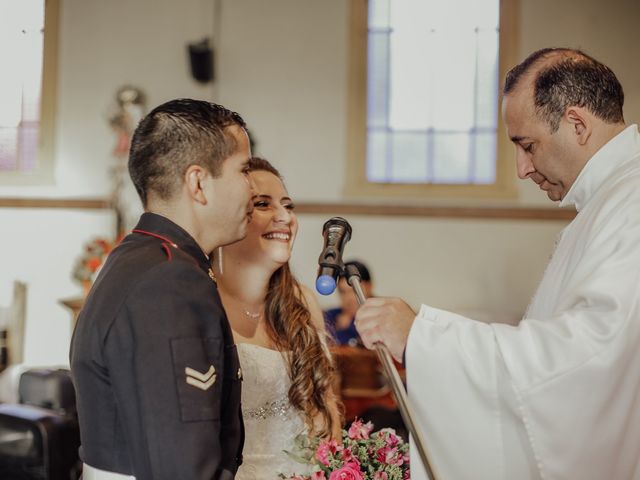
(425, 77)
(27, 89)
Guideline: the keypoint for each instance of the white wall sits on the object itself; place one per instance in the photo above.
(103, 45)
(283, 65)
(485, 267)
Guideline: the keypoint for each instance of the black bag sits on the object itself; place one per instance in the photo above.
(37, 444)
(50, 389)
(40, 437)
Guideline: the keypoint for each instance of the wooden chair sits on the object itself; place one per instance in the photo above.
(362, 382)
(13, 319)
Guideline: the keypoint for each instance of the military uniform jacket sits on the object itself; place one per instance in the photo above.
(156, 371)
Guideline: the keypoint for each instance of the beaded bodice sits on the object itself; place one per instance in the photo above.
(271, 423)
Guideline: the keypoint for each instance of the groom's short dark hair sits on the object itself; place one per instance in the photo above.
(176, 135)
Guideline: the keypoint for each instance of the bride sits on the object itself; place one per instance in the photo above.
(279, 331)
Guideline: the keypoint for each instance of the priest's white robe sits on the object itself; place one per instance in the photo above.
(558, 396)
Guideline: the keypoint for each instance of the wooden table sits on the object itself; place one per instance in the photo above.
(74, 305)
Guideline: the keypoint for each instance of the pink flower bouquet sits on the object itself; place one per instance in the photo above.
(363, 455)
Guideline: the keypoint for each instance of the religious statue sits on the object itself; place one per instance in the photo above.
(128, 110)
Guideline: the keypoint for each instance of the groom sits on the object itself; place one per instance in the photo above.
(156, 372)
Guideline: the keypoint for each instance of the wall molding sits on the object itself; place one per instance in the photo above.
(71, 203)
(499, 213)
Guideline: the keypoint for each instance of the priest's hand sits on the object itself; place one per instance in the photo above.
(385, 320)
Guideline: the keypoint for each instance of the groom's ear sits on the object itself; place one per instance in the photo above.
(194, 179)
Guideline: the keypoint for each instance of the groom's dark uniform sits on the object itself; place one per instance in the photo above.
(155, 367)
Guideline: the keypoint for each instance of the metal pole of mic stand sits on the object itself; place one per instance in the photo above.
(353, 278)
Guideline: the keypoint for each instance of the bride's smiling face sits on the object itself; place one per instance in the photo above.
(273, 225)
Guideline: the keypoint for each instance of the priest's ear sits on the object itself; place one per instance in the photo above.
(195, 179)
(581, 123)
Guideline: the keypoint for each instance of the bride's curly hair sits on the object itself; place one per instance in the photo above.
(290, 327)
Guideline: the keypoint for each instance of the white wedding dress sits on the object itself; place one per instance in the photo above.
(271, 423)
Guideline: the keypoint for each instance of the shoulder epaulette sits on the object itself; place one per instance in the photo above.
(166, 244)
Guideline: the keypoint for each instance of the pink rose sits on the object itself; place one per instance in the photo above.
(325, 450)
(318, 476)
(350, 471)
(359, 430)
(380, 476)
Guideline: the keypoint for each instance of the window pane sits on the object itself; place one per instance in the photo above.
(451, 158)
(11, 101)
(8, 148)
(488, 84)
(378, 155)
(454, 87)
(485, 14)
(379, 13)
(485, 154)
(378, 83)
(409, 157)
(433, 87)
(411, 70)
(28, 146)
(21, 50)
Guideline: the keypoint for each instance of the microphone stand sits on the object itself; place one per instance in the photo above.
(353, 278)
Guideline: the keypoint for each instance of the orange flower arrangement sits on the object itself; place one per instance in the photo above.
(93, 256)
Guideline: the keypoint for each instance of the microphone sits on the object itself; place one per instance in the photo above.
(336, 232)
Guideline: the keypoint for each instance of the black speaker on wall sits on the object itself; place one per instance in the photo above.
(201, 61)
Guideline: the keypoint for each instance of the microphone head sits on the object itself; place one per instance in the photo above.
(325, 284)
(337, 225)
(336, 232)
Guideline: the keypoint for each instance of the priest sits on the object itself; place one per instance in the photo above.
(558, 396)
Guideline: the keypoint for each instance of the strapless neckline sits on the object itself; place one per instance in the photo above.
(255, 345)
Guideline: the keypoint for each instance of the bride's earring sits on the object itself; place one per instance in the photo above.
(220, 260)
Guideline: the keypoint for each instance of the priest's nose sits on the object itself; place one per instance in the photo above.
(524, 165)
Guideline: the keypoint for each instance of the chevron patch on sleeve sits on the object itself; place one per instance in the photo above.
(203, 381)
